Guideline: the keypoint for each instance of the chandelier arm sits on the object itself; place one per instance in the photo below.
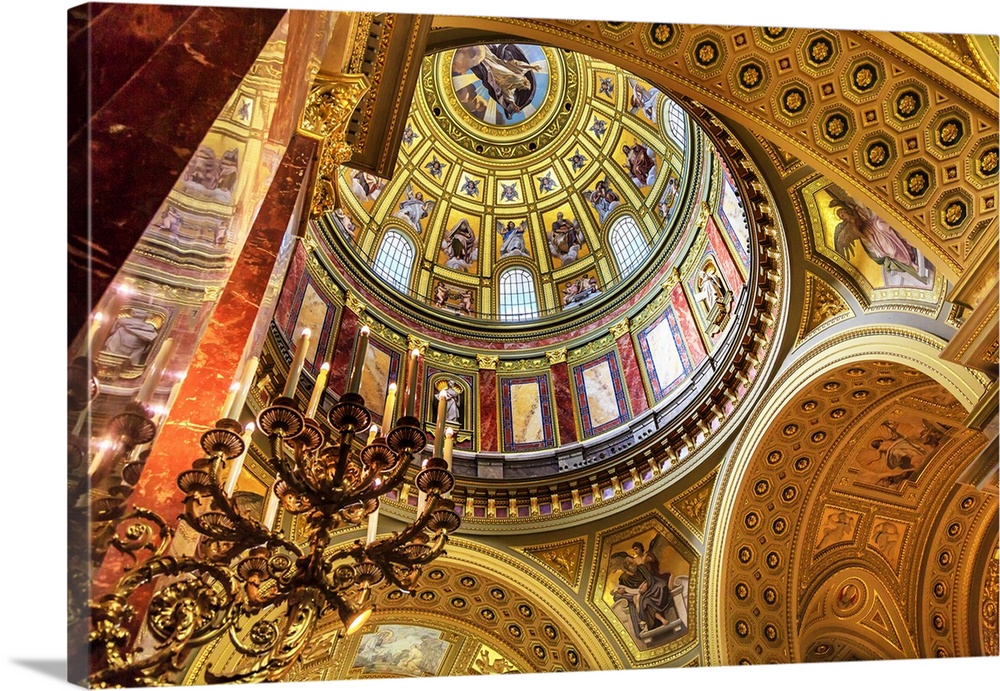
(343, 452)
(394, 479)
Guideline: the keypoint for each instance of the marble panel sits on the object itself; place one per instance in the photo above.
(600, 394)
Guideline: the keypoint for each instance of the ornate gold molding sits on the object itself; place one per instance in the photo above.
(418, 344)
(331, 100)
(355, 304)
(556, 356)
(488, 361)
(620, 329)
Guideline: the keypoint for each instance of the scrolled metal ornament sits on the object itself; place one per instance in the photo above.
(250, 582)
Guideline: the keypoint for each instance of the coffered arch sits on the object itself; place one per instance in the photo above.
(853, 105)
(787, 492)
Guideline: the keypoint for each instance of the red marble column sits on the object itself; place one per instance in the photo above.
(217, 360)
(632, 373)
(343, 352)
(145, 85)
(685, 321)
(564, 402)
(488, 414)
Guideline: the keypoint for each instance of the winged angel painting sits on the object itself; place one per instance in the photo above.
(647, 597)
(414, 209)
(902, 263)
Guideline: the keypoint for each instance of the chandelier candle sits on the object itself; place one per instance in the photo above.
(449, 443)
(296, 370)
(230, 397)
(234, 472)
(372, 434)
(95, 325)
(318, 389)
(439, 427)
(411, 383)
(372, 526)
(155, 372)
(358, 365)
(389, 412)
(249, 372)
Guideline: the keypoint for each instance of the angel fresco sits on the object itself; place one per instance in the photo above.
(645, 598)
(640, 162)
(902, 263)
(579, 289)
(366, 187)
(513, 239)
(565, 239)
(460, 246)
(603, 198)
(506, 73)
(413, 209)
(669, 198)
(643, 99)
(508, 193)
(470, 187)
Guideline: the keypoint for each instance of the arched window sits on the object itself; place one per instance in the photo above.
(676, 120)
(628, 245)
(394, 260)
(517, 296)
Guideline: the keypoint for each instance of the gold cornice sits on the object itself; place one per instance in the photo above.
(331, 100)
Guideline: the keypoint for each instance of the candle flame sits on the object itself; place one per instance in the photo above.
(392, 386)
(235, 386)
(414, 353)
(365, 330)
(250, 428)
(98, 317)
(373, 429)
(306, 332)
(449, 432)
(378, 482)
(325, 367)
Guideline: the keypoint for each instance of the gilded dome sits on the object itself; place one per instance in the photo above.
(531, 181)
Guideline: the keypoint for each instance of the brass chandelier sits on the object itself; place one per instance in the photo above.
(247, 580)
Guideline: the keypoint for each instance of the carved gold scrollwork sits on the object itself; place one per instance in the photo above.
(488, 361)
(556, 356)
(418, 344)
(620, 329)
(331, 100)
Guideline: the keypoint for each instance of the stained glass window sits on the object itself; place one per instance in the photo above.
(628, 245)
(517, 295)
(394, 260)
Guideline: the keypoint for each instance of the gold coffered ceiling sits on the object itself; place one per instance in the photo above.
(910, 137)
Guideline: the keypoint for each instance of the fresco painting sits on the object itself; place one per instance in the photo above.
(526, 413)
(564, 236)
(646, 587)
(501, 84)
(312, 315)
(365, 186)
(637, 158)
(664, 354)
(874, 250)
(459, 247)
(600, 394)
(894, 450)
(381, 368)
(409, 651)
(837, 526)
(734, 220)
